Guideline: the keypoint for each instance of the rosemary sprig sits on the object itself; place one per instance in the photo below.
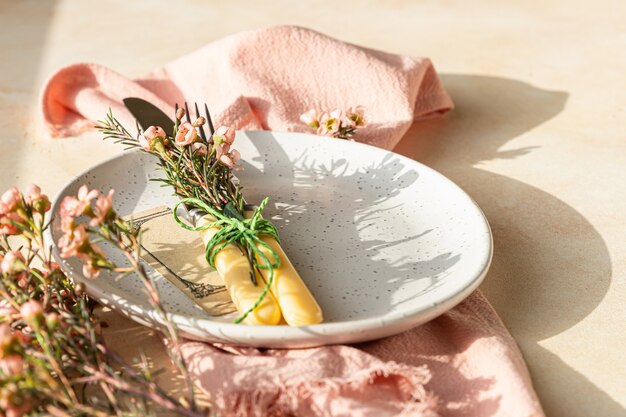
(199, 170)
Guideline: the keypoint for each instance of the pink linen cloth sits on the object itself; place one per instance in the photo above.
(263, 79)
(462, 364)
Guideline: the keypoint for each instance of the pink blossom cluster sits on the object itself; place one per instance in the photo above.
(154, 138)
(337, 123)
(16, 208)
(17, 323)
(13, 401)
(75, 240)
(50, 342)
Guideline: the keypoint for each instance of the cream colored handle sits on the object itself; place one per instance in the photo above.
(296, 302)
(233, 267)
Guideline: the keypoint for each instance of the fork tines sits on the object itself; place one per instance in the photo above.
(208, 118)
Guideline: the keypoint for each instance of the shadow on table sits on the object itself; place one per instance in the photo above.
(546, 253)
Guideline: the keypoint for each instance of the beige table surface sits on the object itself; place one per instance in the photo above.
(537, 139)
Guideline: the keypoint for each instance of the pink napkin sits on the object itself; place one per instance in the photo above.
(262, 79)
(463, 363)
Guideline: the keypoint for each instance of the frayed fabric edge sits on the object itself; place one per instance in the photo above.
(286, 400)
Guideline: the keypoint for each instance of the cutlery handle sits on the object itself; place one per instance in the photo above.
(234, 269)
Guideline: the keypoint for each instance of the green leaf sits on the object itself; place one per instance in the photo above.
(231, 211)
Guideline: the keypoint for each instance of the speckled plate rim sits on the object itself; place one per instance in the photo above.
(351, 331)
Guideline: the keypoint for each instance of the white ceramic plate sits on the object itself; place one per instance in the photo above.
(383, 242)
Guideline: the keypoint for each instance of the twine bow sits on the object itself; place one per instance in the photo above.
(236, 229)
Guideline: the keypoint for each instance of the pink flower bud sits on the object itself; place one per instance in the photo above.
(5, 333)
(235, 155)
(199, 122)
(52, 321)
(15, 403)
(230, 159)
(10, 199)
(32, 312)
(32, 193)
(12, 365)
(40, 202)
(12, 263)
(226, 160)
(6, 338)
(6, 311)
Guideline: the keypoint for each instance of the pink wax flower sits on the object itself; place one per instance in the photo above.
(10, 199)
(12, 365)
(77, 206)
(223, 138)
(6, 309)
(104, 208)
(70, 207)
(225, 134)
(90, 270)
(75, 243)
(199, 148)
(6, 338)
(32, 312)
(52, 320)
(310, 118)
(231, 158)
(330, 123)
(186, 134)
(356, 116)
(12, 263)
(8, 223)
(85, 196)
(150, 135)
(14, 404)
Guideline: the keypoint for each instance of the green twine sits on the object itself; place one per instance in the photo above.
(245, 232)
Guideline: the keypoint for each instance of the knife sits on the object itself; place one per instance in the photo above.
(147, 114)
